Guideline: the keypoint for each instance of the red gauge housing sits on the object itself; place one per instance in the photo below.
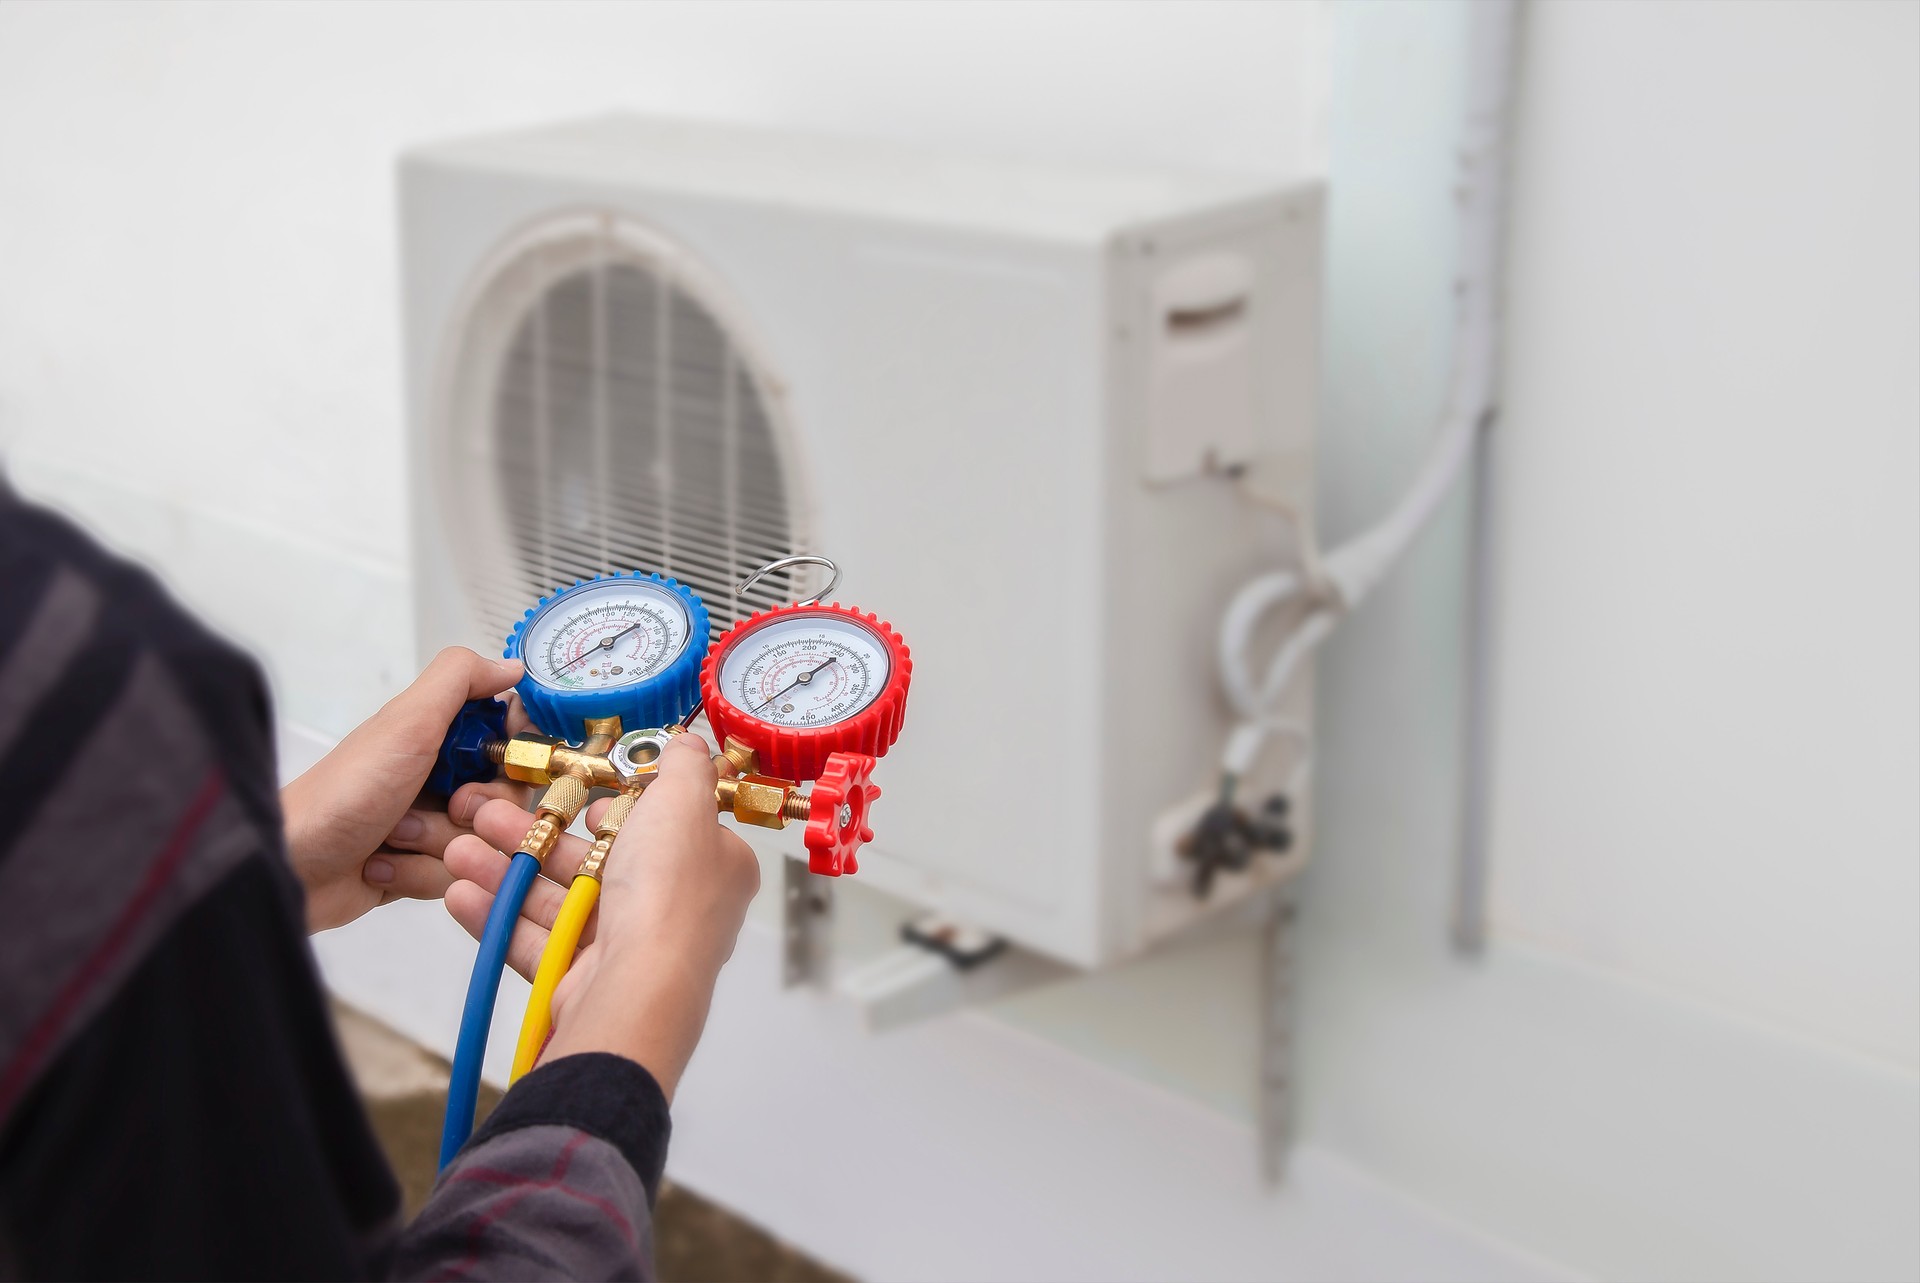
(801, 752)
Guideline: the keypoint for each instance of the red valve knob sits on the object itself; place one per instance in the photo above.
(837, 820)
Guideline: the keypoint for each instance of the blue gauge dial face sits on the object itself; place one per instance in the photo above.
(606, 634)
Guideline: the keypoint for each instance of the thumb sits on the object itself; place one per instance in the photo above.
(497, 678)
(455, 676)
(458, 675)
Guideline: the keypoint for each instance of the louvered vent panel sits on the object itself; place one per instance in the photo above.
(629, 432)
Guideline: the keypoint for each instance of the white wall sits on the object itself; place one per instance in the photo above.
(1689, 1051)
(1705, 843)
(1710, 638)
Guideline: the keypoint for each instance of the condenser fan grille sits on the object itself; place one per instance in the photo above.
(624, 429)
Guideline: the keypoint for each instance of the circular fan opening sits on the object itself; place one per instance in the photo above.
(609, 411)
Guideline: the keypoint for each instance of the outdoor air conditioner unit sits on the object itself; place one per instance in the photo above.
(1008, 398)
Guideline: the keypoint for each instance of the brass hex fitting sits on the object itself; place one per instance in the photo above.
(529, 759)
(745, 760)
(535, 759)
(755, 799)
(637, 754)
(596, 769)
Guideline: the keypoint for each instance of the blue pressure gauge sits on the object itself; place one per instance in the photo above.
(626, 646)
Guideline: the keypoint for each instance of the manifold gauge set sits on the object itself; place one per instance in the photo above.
(803, 699)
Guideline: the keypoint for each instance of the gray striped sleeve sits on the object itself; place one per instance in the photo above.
(557, 1184)
(544, 1202)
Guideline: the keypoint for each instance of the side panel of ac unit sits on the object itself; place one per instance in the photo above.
(1229, 301)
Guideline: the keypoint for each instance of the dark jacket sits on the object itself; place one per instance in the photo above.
(172, 1100)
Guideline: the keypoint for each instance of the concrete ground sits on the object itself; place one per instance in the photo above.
(696, 1241)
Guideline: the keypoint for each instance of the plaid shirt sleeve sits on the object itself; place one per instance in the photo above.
(558, 1183)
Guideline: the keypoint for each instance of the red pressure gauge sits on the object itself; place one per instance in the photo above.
(798, 684)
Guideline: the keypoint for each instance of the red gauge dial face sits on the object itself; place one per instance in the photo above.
(801, 683)
(805, 670)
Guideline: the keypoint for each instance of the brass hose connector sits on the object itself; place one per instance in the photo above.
(606, 832)
(564, 799)
(570, 774)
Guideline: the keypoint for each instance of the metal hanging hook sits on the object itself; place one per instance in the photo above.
(804, 559)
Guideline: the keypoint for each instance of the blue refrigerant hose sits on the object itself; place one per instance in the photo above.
(463, 1089)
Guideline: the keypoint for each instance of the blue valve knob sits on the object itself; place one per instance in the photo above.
(463, 753)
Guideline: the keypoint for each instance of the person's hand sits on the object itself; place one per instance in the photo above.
(358, 833)
(673, 896)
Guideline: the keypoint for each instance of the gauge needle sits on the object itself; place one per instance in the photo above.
(801, 680)
(605, 643)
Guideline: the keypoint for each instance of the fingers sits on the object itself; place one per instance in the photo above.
(455, 676)
(471, 859)
(517, 719)
(401, 876)
(505, 826)
(424, 831)
(427, 829)
(683, 782)
(469, 798)
(470, 904)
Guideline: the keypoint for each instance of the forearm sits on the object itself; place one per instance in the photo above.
(647, 1005)
(557, 1183)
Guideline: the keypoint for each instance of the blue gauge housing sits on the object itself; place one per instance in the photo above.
(660, 700)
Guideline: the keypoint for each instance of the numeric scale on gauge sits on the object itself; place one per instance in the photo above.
(807, 672)
(616, 633)
(618, 665)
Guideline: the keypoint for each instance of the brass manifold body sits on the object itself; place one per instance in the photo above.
(571, 773)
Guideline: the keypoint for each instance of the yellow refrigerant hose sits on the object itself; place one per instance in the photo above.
(564, 939)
